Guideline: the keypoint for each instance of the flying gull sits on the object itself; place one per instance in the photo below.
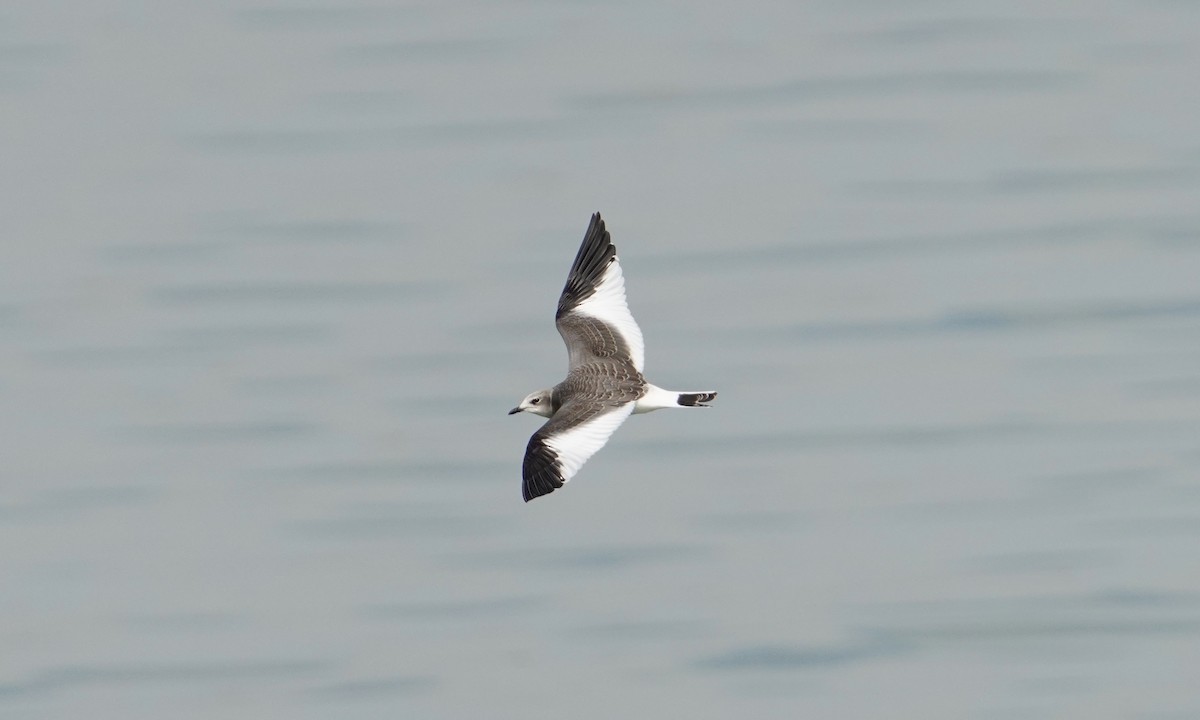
(604, 382)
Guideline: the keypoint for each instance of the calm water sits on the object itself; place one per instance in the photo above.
(271, 274)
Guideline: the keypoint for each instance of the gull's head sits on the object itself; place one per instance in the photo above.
(537, 403)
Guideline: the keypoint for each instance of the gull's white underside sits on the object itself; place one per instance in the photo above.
(573, 447)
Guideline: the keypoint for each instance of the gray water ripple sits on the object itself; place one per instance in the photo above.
(1167, 387)
(287, 141)
(1157, 228)
(845, 128)
(288, 293)
(353, 138)
(1040, 561)
(284, 18)
(358, 525)
(173, 623)
(383, 472)
(26, 67)
(355, 102)
(587, 558)
(66, 503)
(176, 433)
(1180, 524)
(65, 678)
(172, 354)
(965, 28)
(643, 631)
(1092, 179)
(453, 610)
(741, 523)
(458, 50)
(21, 53)
(981, 320)
(1113, 611)
(456, 357)
(284, 385)
(243, 336)
(1017, 631)
(911, 436)
(227, 236)
(839, 86)
(1040, 182)
(769, 658)
(289, 233)
(373, 688)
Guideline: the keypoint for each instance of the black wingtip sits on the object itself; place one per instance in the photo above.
(591, 262)
(535, 488)
(539, 473)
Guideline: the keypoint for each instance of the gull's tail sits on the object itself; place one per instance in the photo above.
(655, 398)
(695, 399)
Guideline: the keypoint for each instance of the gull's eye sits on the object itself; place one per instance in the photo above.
(535, 401)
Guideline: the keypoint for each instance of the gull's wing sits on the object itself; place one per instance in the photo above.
(557, 450)
(592, 316)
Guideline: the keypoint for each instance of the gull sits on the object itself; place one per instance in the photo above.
(604, 383)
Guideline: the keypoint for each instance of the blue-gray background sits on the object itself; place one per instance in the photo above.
(271, 274)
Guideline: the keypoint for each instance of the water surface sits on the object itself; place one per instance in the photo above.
(272, 274)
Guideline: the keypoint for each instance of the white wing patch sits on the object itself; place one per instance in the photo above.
(608, 304)
(573, 447)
